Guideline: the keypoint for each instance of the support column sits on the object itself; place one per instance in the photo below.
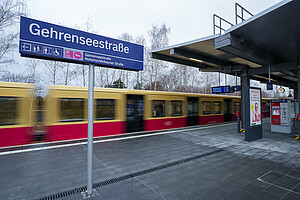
(298, 86)
(245, 82)
(297, 92)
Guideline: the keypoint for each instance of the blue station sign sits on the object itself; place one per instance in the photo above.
(39, 39)
(236, 88)
(221, 89)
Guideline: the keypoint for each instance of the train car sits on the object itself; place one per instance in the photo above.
(119, 111)
(24, 118)
(16, 116)
(66, 112)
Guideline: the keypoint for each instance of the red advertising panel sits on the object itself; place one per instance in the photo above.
(275, 113)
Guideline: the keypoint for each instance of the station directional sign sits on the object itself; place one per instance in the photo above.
(236, 88)
(221, 89)
(40, 39)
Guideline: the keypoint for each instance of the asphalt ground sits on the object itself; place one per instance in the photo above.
(200, 162)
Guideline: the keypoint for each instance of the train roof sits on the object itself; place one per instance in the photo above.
(131, 91)
(16, 85)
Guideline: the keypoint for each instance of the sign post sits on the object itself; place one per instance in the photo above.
(90, 131)
(43, 40)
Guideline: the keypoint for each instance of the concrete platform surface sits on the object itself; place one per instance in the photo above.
(201, 162)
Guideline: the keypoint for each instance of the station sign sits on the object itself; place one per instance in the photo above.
(236, 88)
(44, 40)
(221, 89)
(269, 86)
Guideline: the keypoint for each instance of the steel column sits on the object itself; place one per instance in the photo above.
(90, 131)
(298, 93)
(245, 82)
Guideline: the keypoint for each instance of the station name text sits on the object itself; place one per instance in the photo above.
(35, 29)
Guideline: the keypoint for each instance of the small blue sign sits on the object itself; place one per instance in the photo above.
(236, 88)
(221, 89)
(44, 40)
(269, 86)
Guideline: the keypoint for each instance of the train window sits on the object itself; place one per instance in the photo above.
(176, 108)
(71, 109)
(217, 107)
(206, 105)
(105, 109)
(236, 106)
(8, 110)
(158, 108)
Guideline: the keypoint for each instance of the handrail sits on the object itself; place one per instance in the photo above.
(220, 23)
(241, 16)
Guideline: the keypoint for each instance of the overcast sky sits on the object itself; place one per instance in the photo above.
(188, 19)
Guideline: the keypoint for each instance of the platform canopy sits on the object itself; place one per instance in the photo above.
(270, 38)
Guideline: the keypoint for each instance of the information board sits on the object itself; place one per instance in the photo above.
(221, 89)
(255, 107)
(40, 39)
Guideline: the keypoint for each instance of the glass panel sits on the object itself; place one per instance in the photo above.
(217, 107)
(72, 109)
(206, 107)
(105, 109)
(265, 107)
(176, 108)
(140, 107)
(8, 110)
(158, 108)
(130, 109)
(236, 106)
(193, 108)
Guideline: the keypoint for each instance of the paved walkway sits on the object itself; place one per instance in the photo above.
(204, 162)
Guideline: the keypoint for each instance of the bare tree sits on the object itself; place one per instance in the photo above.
(69, 73)
(159, 39)
(10, 11)
(52, 72)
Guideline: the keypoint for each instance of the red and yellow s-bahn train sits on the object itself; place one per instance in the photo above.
(63, 115)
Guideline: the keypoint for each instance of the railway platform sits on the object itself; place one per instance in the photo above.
(199, 162)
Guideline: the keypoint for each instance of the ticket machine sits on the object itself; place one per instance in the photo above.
(281, 115)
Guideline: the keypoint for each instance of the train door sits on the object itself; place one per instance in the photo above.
(192, 108)
(227, 110)
(135, 113)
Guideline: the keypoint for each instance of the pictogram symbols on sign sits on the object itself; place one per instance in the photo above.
(26, 46)
(37, 48)
(57, 52)
(68, 54)
(77, 55)
(47, 50)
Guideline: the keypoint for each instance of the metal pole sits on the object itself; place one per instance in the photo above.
(236, 20)
(214, 24)
(90, 131)
(269, 73)
(235, 78)
(238, 123)
(137, 82)
(219, 79)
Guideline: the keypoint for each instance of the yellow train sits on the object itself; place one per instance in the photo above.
(116, 111)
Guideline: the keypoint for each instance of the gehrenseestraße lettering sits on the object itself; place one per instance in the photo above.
(37, 30)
